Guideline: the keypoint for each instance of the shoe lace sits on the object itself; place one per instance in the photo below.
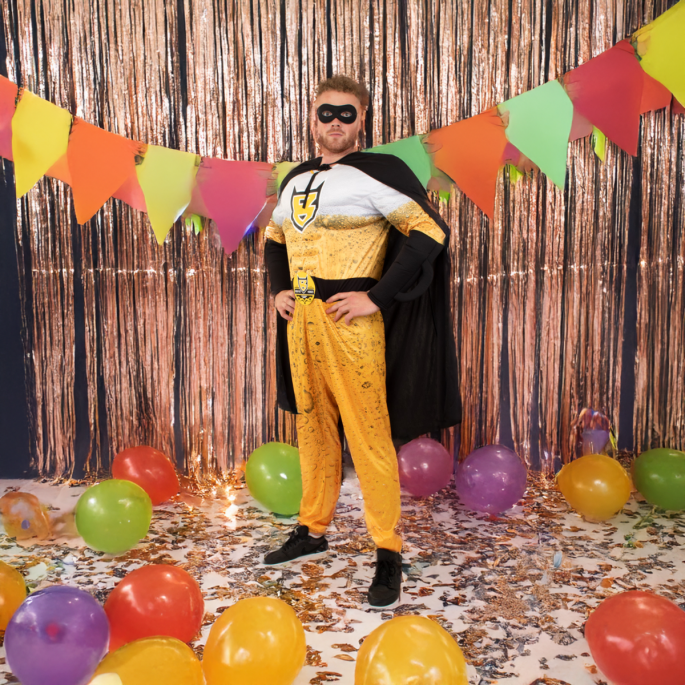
(385, 572)
(292, 540)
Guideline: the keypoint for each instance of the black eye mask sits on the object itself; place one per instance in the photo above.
(345, 113)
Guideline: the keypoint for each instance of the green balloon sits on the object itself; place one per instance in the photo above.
(113, 516)
(274, 478)
(660, 476)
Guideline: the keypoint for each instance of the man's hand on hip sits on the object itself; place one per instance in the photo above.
(351, 305)
(285, 303)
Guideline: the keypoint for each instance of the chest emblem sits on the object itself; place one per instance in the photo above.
(304, 207)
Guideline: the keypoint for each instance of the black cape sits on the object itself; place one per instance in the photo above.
(422, 376)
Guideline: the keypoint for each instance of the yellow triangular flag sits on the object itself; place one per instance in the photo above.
(661, 46)
(40, 136)
(166, 178)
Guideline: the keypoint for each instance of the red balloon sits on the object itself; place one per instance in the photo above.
(149, 468)
(154, 600)
(638, 638)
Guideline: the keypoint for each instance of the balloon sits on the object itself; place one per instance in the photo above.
(660, 477)
(594, 440)
(57, 636)
(410, 649)
(274, 478)
(113, 516)
(491, 479)
(595, 485)
(106, 679)
(638, 638)
(425, 467)
(149, 468)
(259, 641)
(24, 517)
(154, 661)
(154, 600)
(12, 593)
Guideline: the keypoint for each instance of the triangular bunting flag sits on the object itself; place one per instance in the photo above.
(234, 194)
(130, 191)
(661, 46)
(40, 135)
(539, 126)
(470, 153)
(607, 90)
(412, 152)
(99, 162)
(654, 95)
(8, 96)
(677, 108)
(166, 178)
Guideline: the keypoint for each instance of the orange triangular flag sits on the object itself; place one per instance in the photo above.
(471, 155)
(8, 97)
(99, 163)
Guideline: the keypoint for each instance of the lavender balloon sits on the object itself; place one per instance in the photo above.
(57, 636)
(491, 479)
(425, 467)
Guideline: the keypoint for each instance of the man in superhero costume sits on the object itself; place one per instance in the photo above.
(358, 264)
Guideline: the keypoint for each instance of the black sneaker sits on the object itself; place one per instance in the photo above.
(387, 583)
(299, 544)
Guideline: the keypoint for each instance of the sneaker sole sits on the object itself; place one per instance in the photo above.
(314, 555)
(393, 605)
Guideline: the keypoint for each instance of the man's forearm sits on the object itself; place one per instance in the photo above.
(278, 266)
(405, 269)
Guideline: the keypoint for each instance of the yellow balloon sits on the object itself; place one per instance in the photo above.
(410, 650)
(595, 485)
(12, 593)
(153, 661)
(257, 641)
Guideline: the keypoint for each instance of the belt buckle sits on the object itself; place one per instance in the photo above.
(303, 287)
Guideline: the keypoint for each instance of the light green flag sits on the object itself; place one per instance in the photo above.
(540, 125)
(166, 178)
(412, 152)
(661, 46)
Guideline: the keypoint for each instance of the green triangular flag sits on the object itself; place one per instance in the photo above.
(514, 174)
(540, 125)
(599, 143)
(412, 152)
(194, 220)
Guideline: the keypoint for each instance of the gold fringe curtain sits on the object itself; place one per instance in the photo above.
(131, 343)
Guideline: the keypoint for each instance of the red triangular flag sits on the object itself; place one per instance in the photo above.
(8, 96)
(654, 95)
(234, 194)
(607, 90)
(99, 162)
(677, 108)
(470, 153)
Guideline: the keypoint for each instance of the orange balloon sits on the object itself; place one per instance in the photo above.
(154, 600)
(150, 469)
(152, 661)
(410, 649)
(24, 517)
(12, 593)
(595, 485)
(259, 641)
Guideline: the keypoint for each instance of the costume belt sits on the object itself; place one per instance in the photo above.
(308, 288)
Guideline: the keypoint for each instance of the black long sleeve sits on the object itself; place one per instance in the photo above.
(406, 268)
(278, 266)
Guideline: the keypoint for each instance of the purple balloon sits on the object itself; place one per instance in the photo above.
(425, 467)
(57, 636)
(491, 479)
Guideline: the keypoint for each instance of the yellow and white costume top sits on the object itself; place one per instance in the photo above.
(339, 230)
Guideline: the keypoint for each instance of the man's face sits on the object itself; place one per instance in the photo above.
(336, 136)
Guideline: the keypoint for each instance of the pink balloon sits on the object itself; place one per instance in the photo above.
(425, 467)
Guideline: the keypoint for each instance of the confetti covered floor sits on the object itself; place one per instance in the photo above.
(514, 591)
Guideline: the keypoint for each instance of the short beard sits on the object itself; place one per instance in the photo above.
(336, 145)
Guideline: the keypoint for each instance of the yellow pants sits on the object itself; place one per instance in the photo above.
(339, 370)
